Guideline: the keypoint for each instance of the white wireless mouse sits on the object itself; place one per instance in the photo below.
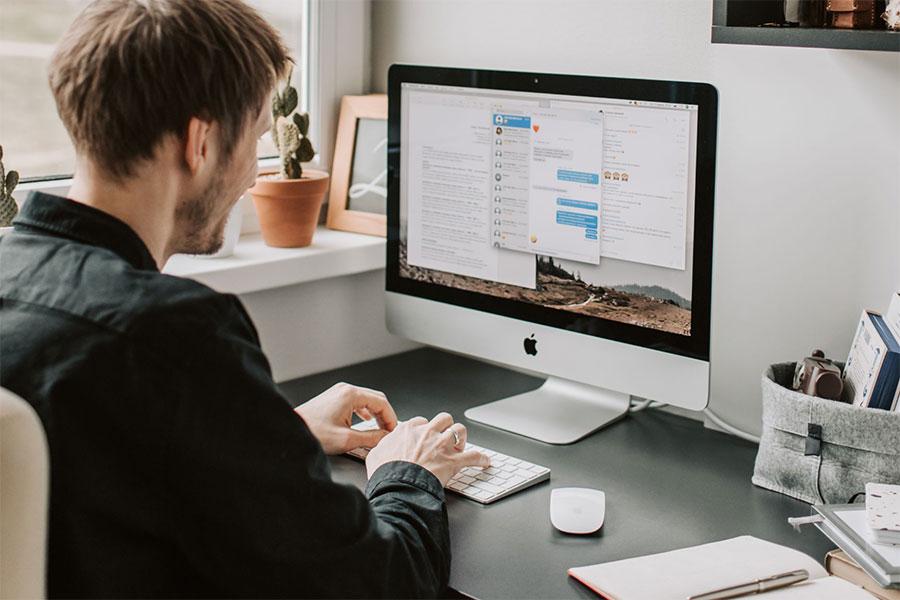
(577, 510)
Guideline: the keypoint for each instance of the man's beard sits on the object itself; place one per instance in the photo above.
(202, 231)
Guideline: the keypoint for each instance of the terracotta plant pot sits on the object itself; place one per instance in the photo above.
(288, 209)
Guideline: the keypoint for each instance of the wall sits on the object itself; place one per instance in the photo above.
(323, 325)
(807, 202)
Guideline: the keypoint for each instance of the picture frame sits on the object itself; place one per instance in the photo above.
(357, 201)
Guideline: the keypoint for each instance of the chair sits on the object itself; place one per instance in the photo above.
(24, 483)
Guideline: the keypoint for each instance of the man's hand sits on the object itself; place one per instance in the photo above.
(330, 414)
(431, 444)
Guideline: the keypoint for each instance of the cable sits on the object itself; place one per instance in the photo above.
(853, 498)
(819, 479)
(639, 406)
(729, 428)
(643, 405)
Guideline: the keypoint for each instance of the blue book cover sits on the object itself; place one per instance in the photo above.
(885, 390)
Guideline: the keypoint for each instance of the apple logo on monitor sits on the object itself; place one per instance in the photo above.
(530, 345)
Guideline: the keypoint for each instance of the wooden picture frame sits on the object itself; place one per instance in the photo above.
(359, 145)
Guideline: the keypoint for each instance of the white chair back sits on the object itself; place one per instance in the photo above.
(24, 483)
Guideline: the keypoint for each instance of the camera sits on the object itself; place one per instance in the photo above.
(818, 376)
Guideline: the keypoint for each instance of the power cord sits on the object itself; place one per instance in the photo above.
(641, 405)
(729, 428)
(644, 404)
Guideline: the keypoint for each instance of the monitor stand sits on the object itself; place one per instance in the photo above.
(558, 412)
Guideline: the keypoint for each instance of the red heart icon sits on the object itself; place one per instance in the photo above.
(535, 127)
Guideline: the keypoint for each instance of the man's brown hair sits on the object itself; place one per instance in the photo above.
(128, 72)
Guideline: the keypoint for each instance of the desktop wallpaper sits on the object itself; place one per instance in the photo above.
(561, 285)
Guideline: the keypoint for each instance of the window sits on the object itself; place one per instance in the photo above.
(292, 19)
(34, 141)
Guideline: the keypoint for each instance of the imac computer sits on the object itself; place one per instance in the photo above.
(559, 224)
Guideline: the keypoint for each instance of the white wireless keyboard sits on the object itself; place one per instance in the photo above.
(506, 475)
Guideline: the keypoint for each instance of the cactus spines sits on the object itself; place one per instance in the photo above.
(289, 130)
(8, 182)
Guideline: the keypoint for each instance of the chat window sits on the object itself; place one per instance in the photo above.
(546, 182)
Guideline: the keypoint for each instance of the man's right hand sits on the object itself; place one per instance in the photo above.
(430, 444)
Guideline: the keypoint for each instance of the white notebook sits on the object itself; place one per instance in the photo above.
(678, 574)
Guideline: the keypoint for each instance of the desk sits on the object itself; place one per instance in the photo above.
(669, 482)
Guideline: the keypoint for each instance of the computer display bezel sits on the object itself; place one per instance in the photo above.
(703, 95)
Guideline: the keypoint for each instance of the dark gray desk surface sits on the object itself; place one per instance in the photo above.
(669, 482)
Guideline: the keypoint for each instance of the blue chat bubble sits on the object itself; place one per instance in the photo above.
(576, 219)
(577, 176)
(577, 204)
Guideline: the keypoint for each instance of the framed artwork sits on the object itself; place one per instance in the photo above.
(358, 198)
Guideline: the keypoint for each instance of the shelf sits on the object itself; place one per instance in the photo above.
(738, 22)
(849, 39)
(254, 266)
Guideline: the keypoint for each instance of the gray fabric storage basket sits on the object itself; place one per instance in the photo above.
(859, 445)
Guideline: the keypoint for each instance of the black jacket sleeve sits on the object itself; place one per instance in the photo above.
(254, 510)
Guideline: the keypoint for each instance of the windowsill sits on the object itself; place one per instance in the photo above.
(254, 266)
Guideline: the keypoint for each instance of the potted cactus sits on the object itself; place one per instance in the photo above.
(8, 207)
(288, 202)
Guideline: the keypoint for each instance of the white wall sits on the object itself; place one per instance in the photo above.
(323, 324)
(807, 202)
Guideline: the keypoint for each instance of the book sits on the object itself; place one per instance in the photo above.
(892, 320)
(892, 316)
(840, 565)
(872, 373)
(679, 574)
(847, 526)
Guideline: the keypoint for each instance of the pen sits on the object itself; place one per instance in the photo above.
(755, 587)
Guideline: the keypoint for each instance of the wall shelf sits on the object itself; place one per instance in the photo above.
(737, 22)
(808, 38)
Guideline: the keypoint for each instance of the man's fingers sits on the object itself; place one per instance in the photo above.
(441, 421)
(365, 439)
(458, 440)
(473, 458)
(378, 406)
(417, 421)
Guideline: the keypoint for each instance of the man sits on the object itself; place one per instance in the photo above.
(177, 468)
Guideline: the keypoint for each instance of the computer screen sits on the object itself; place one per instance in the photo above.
(582, 205)
(557, 223)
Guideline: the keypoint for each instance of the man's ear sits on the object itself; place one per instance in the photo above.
(197, 144)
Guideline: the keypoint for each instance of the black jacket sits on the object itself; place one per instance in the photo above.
(177, 467)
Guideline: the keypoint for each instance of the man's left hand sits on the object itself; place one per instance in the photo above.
(330, 414)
